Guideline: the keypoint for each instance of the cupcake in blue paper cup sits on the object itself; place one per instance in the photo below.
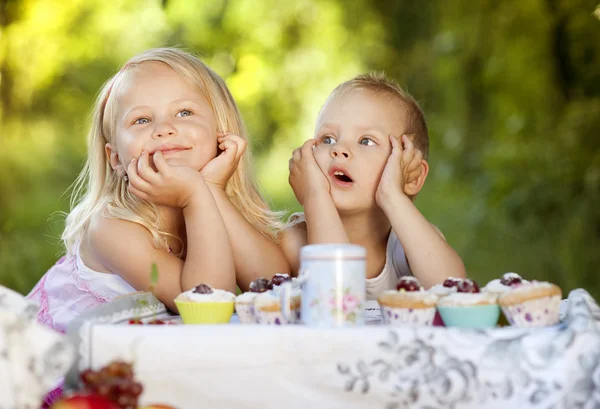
(535, 304)
(409, 304)
(468, 307)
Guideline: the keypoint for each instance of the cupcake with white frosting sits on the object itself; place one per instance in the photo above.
(409, 304)
(501, 285)
(448, 287)
(205, 305)
(468, 307)
(267, 307)
(244, 303)
(533, 304)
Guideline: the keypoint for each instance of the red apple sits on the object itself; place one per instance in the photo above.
(85, 401)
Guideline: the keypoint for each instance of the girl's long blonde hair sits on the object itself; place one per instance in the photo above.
(100, 188)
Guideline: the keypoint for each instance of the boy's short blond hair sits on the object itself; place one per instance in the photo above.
(377, 82)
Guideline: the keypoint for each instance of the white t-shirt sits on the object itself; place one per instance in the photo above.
(396, 264)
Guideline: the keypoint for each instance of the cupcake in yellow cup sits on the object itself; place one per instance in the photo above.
(205, 305)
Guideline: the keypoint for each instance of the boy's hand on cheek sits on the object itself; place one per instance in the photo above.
(169, 185)
(306, 177)
(403, 167)
(218, 170)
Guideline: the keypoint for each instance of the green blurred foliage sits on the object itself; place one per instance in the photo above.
(511, 92)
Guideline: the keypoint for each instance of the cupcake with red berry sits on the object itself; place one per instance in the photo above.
(244, 303)
(468, 307)
(534, 304)
(205, 305)
(278, 279)
(409, 304)
(501, 285)
(447, 287)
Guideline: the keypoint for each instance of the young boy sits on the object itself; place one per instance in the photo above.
(357, 180)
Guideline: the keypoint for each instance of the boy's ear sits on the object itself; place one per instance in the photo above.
(113, 158)
(414, 187)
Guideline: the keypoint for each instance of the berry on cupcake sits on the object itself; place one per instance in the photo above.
(501, 285)
(410, 304)
(244, 303)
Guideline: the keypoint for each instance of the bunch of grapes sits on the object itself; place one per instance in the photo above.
(115, 382)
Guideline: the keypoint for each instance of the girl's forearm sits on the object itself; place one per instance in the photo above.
(209, 257)
(431, 258)
(254, 254)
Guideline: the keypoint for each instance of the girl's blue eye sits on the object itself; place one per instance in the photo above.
(366, 141)
(327, 140)
(184, 112)
(141, 121)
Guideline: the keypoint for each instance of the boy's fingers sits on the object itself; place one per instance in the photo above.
(414, 175)
(415, 161)
(408, 145)
(307, 146)
(396, 144)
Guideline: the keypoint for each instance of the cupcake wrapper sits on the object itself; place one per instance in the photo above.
(205, 312)
(470, 316)
(408, 316)
(245, 313)
(276, 318)
(534, 313)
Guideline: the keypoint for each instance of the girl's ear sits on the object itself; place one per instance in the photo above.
(414, 187)
(113, 158)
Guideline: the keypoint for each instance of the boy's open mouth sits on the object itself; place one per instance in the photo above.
(341, 176)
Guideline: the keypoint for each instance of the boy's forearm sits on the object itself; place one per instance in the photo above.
(254, 254)
(323, 223)
(431, 258)
(209, 256)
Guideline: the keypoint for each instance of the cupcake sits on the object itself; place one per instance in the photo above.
(501, 285)
(468, 307)
(205, 305)
(267, 307)
(448, 287)
(244, 303)
(279, 279)
(533, 304)
(409, 304)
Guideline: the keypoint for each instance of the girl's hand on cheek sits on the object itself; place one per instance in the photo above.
(306, 177)
(169, 185)
(219, 170)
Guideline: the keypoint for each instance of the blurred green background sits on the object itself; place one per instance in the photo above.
(511, 92)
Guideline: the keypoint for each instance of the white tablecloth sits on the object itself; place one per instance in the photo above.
(32, 357)
(375, 366)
